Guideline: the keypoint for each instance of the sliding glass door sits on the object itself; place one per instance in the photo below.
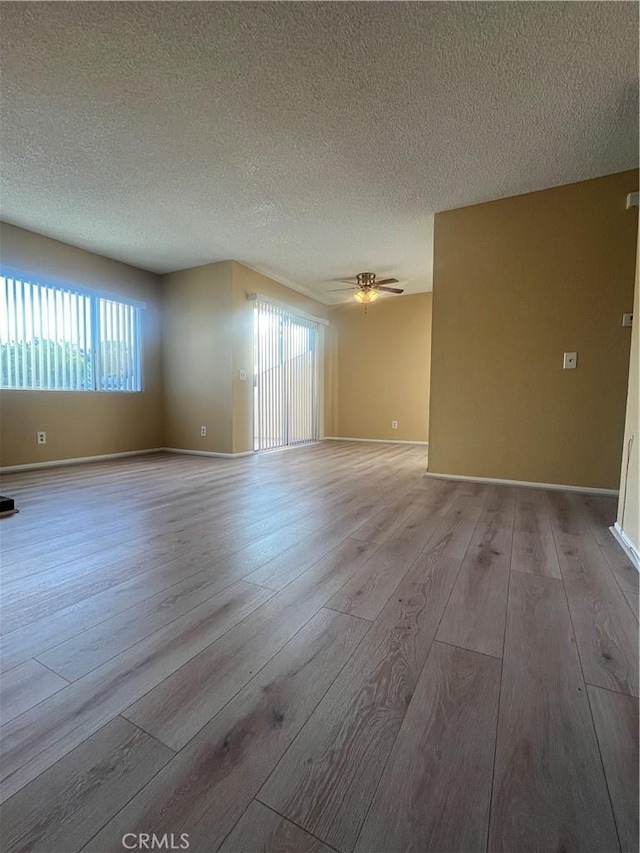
(286, 368)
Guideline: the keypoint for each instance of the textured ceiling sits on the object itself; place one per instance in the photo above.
(308, 140)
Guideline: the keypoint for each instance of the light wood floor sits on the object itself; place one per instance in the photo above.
(314, 650)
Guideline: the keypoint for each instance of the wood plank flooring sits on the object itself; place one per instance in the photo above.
(25, 686)
(549, 789)
(314, 650)
(443, 757)
(474, 618)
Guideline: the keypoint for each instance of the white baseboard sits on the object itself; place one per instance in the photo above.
(626, 544)
(373, 440)
(207, 453)
(76, 460)
(286, 447)
(559, 487)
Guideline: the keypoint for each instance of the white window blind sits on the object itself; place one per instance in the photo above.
(61, 338)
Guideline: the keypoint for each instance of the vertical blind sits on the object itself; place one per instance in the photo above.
(286, 377)
(60, 338)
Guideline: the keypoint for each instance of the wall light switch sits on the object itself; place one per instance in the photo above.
(242, 373)
(570, 361)
(627, 319)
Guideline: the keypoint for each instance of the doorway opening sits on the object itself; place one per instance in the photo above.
(286, 408)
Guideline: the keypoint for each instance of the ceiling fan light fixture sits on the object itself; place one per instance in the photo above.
(366, 296)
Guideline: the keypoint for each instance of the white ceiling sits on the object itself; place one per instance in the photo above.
(308, 140)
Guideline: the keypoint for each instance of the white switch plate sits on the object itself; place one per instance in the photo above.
(570, 361)
(242, 373)
(394, 424)
(627, 319)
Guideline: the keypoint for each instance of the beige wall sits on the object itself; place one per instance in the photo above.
(331, 421)
(379, 364)
(517, 282)
(208, 338)
(246, 281)
(198, 337)
(82, 423)
(629, 504)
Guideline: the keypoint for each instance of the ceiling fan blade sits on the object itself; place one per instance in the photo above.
(348, 280)
(390, 289)
(387, 281)
(341, 289)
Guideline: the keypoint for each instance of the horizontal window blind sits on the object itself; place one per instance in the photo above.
(61, 338)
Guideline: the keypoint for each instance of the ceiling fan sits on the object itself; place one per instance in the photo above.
(367, 287)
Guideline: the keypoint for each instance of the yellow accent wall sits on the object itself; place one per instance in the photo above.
(82, 423)
(629, 504)
(379, 364)
(517, 282)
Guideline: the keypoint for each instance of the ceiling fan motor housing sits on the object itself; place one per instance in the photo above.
(366, 279)
(365, 282)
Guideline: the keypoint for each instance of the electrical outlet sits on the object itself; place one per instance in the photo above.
(203, 430)
(242, 373)
(41, 438)
(394, 424)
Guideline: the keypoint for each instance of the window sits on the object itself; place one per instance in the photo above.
(61, 338)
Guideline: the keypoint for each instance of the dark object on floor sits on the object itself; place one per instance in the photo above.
(7, 506)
